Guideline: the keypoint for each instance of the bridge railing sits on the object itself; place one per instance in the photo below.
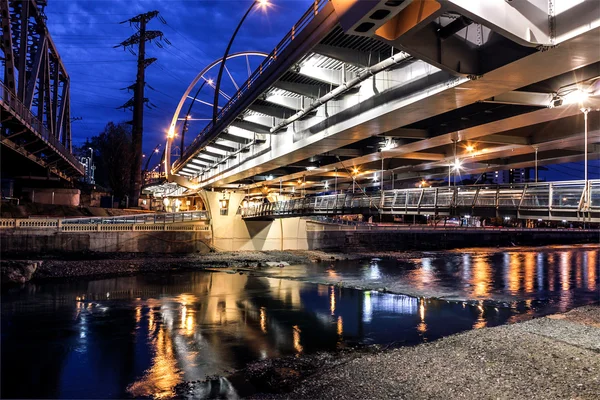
(154, 218)
(11, 101)
(566, 197)
(308, 16)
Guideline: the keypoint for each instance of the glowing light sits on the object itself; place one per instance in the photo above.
(423, 182)
(156, 150)
(375, 178)
(210, 82)
(326, 185)
(470, 148)
(310, 168)
(263, 3)
(456, 166)
(576, 97)
(340, 326)
(299, 181)
(355, 170)
(171, 133)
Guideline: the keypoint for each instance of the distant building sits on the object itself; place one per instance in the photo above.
(501, 177)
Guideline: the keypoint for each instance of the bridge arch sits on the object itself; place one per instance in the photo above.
(171, 132)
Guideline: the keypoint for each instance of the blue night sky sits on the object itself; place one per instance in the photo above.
(85, 32)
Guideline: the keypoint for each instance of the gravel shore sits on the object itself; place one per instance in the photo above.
(92, 265)
(555, 357)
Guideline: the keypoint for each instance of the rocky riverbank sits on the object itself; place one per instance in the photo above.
(94, 265)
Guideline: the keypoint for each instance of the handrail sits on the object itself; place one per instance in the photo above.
(306, 18)
(9, 98)
(153, 218)
(516, 197)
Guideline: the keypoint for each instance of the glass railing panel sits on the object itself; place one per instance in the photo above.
(465, 197)
(536, 197)
(428, 199)
(567, 195)
(413, 198)
(486, 198)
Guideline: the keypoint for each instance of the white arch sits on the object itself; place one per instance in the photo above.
(171, 132)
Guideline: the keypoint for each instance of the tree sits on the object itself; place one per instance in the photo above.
(112, 156)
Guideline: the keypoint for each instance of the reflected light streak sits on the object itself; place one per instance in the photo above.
(591, 258)
(422, 309)
(565, 270)
(367, 307)
(481, 277)
(332, 300)
(340, 326)
(481, 322)
(539, 266)
(263, 320)
(529, 271)
(163, 375)
(297, 346)
(514, 273)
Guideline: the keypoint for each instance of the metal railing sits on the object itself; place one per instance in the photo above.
(11, 101)
(143, 219)
(181, 221)
(308, 16)
(566, 198)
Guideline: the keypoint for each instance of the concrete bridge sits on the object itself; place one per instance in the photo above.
(378, 93)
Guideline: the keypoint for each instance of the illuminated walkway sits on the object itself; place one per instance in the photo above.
(549, 201)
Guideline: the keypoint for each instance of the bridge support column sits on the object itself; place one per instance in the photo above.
(222, 208)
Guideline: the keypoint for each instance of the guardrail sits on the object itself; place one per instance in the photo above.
(10, 100)
(308, 16)
(568, 198)
(140, 222)
(150, 218)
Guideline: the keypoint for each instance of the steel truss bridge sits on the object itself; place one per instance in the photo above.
(35, 115)
(548, 201)
(402, 91)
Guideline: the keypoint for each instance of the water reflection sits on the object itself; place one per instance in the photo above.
(153, 332)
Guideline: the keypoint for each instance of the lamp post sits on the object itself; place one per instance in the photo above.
(263, 3)
(585, 112)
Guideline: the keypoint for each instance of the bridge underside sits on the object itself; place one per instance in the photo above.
(342, 107)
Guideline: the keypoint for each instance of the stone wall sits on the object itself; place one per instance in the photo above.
(32, 241)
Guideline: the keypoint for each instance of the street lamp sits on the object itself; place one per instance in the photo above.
(262, 3)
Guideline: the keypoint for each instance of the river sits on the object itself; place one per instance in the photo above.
(140, 336)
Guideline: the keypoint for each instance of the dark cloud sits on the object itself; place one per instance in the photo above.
(86, 31)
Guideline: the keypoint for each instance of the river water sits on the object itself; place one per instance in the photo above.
(140, 336)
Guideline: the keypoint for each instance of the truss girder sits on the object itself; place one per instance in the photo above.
(35, 90)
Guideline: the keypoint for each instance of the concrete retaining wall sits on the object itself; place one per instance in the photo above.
(428, 240)
(31, 241)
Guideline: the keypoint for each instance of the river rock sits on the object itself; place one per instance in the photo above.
(18, 271)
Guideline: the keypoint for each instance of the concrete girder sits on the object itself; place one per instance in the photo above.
(200, 160)
(504, 139)
(280, 112)
(330, 77)
(407, 133)
(523, 98)
(233, 138)
(311, 91)
(251, 126)
(352, 57)
(211, 154)
(223, 147)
